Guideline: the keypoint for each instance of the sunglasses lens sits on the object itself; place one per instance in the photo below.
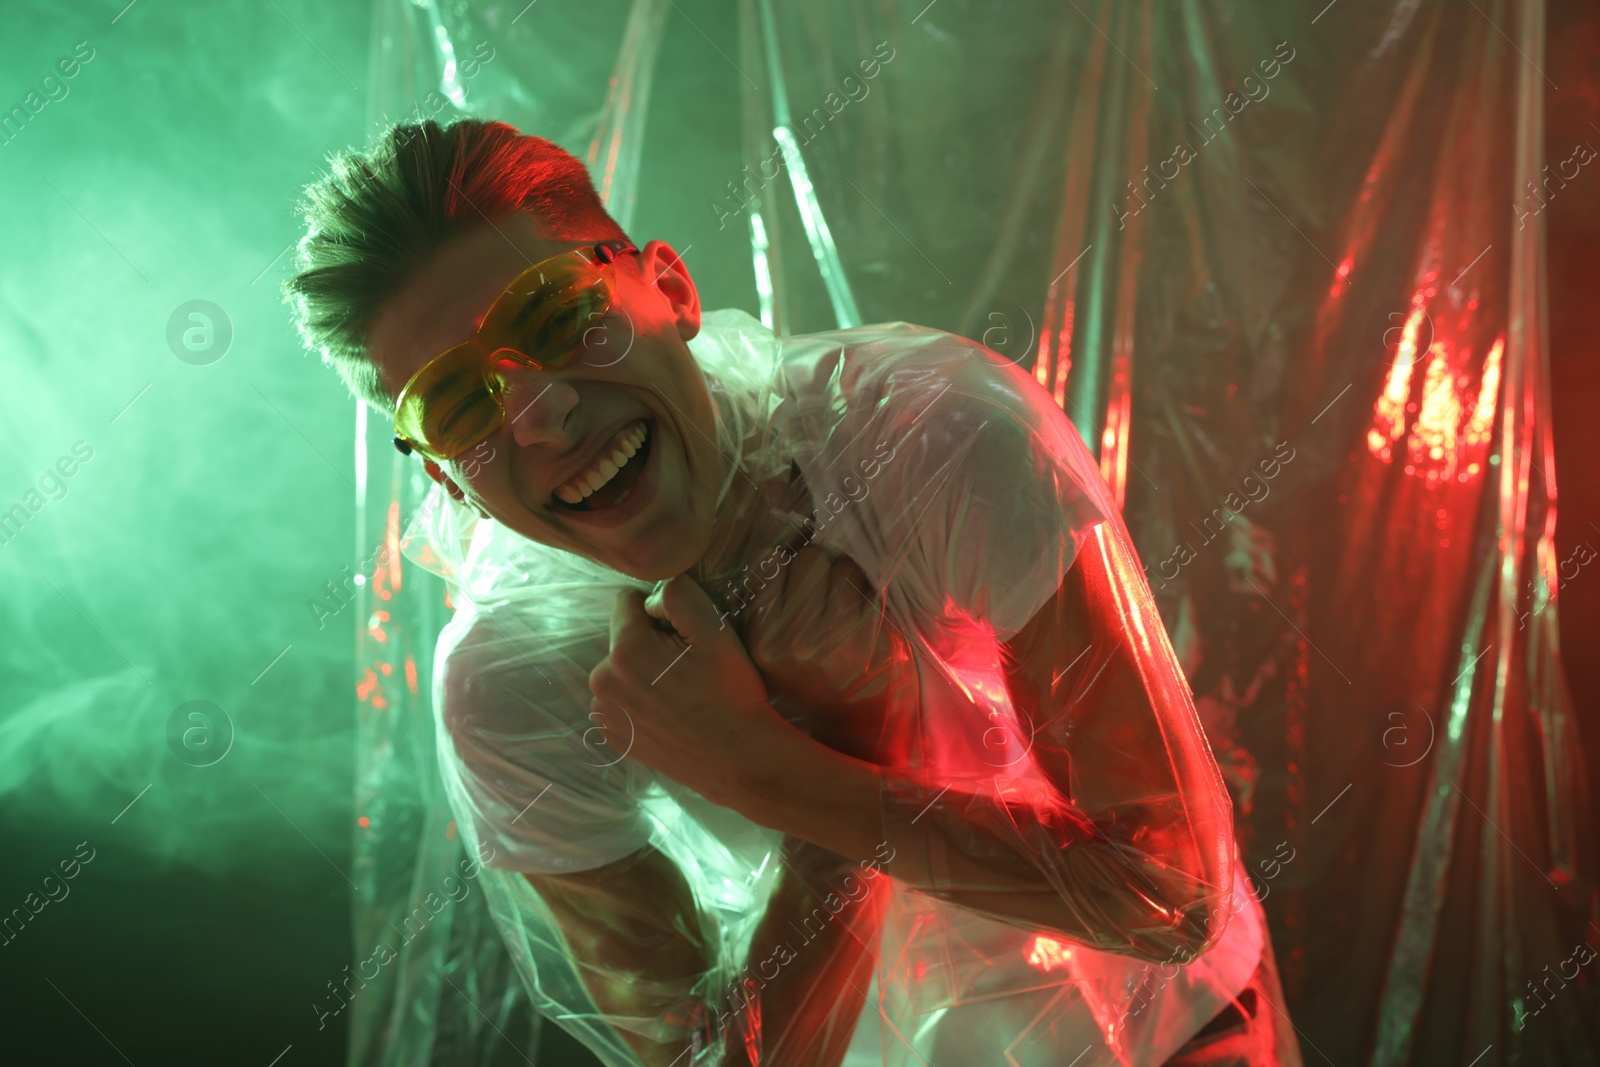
(468, 418)
(551, 327)
(450, 407)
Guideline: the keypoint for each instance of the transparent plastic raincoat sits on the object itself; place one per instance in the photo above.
(1058, 876)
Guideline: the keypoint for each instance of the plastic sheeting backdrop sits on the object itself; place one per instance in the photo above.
(1263, 260)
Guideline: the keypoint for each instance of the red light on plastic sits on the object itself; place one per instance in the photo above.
(1048, 954)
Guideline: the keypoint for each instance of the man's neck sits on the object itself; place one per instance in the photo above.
(752, 522)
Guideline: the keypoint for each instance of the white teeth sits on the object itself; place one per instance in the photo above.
(624, 446)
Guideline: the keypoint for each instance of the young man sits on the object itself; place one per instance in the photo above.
(893, 721)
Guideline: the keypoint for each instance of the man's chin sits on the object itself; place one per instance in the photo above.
(653, 566)
(650, 557)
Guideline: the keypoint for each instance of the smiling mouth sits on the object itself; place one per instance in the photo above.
(610, 481)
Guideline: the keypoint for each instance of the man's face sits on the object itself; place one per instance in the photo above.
(561, 423)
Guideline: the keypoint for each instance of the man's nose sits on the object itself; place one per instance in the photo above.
(537, 403)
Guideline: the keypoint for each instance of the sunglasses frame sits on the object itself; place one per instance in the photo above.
(603, 254)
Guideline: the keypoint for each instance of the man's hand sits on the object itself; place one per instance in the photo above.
(832, 660)
(697, 704)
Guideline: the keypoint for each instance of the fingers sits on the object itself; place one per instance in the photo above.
(627, 608)
(690, 611)
(652, 603)
(628, 604)
(677, 607)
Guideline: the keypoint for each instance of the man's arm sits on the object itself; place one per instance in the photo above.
(810, 962)
(1125, 851)
(1140, 856)
(638, 944)
(640, 947)
(539, 786)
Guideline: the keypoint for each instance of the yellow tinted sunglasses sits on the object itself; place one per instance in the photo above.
(457, 399)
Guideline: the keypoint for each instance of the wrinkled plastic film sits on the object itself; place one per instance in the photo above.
(1278, 275)
(614, 154)
(815, 222)
(1084, 815)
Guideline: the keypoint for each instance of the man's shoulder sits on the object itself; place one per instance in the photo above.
(976, 488)
(465, 658)
(890, 342)
(901, 363)
(486, 657)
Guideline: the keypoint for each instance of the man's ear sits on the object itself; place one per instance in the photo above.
(664, 272)
(443, 479)
(438, 475)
